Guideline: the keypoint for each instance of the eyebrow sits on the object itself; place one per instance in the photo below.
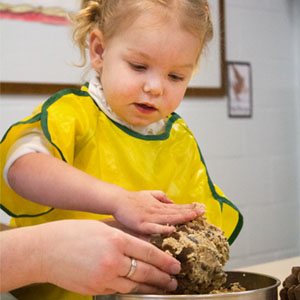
(145, 55)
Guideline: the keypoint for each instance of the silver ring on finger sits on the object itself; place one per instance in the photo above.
(132, 268)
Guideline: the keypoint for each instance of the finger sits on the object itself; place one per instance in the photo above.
(146, 273)
(148, 253)
(191, 206)
(142, 272)
(161, 196)
(126, 286)
(137, 234)
(125, 266)
(144, 237)
(147, 289)
(106, 292)
(174, 214)
(170, 209)
(165, 219)
(156, 228)
(200, 208)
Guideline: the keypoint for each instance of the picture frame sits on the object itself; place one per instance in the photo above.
(211, 78)
(29, 45)
(43, 78)
(239, 89)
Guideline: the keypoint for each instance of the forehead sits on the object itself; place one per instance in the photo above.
(126, 13)
(152, 32)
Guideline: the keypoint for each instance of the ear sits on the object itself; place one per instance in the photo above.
(96, 49)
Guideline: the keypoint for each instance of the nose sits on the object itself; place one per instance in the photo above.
(153, 85)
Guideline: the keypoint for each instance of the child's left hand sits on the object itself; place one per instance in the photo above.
(150, 212)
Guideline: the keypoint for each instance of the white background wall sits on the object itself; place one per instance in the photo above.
(255, 161)
(296, 10)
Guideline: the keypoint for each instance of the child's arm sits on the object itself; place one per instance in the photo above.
(46, 180)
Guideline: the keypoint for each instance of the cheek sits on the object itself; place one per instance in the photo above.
(170, 105)
(175, 104)
(116, 82)
(175, 98)
(128, 86)
(120, 91)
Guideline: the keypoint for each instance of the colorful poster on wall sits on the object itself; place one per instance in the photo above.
(43, 11)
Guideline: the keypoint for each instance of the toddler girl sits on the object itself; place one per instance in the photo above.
(116, 147)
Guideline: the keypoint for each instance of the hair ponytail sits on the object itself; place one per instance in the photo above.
(84, 22)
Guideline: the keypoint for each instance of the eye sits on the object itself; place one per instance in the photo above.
(138, 67)
(175, 77)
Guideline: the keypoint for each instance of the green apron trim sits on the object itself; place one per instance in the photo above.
(237, 229)
(160, 137)
(222, 200)
(44, 113)
(34, 119)
(24, 216)
(57, 96)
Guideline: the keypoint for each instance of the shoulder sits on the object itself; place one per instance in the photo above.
(177, 124)
(69, 98)
(70, 112)
(69, 104)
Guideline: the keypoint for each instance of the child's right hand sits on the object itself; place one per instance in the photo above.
(151, 212)
(65, 187)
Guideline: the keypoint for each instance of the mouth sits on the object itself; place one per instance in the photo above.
(145, 108)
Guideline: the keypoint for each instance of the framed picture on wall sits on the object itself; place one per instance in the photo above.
(38, 55)
(210, 80)
(239, 89)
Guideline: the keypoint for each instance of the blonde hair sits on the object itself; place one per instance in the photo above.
(109, 16)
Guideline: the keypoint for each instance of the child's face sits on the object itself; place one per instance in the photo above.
(145, 69)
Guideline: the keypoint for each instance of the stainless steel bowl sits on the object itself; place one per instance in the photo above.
(258, 286)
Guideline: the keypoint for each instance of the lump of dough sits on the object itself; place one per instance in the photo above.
(291, 285)
(202, 250)
(234, 287)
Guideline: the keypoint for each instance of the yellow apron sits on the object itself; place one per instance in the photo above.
(84, 137)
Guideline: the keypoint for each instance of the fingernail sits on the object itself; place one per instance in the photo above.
(200, 212)
(169, 229)
(175, 268)
(172, 286)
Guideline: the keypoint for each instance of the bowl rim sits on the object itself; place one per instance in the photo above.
(224, 295)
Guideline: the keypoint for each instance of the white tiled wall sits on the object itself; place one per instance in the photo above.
(297, 83)
(255, 161)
